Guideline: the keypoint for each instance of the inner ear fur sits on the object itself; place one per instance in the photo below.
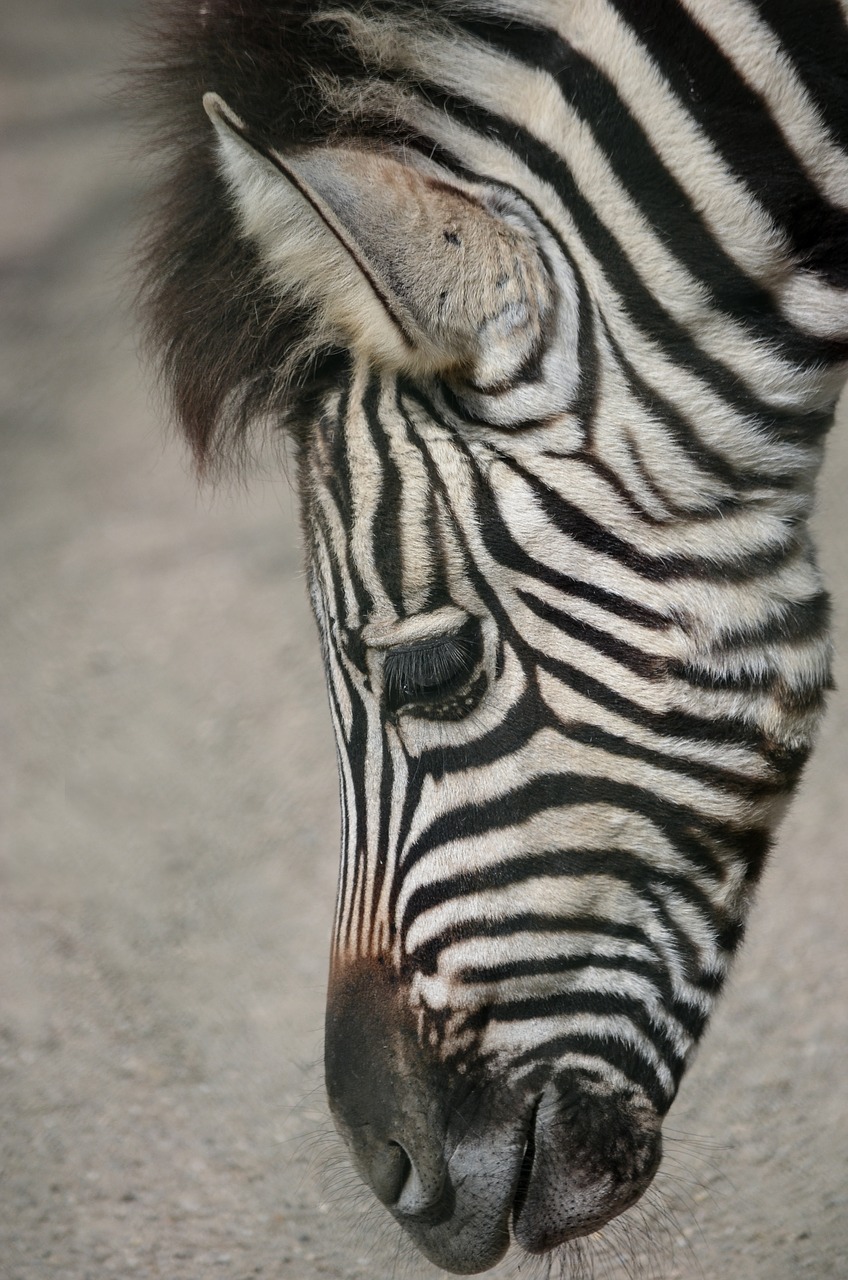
(396, 258)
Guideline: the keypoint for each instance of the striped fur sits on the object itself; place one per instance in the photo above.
(575, 637)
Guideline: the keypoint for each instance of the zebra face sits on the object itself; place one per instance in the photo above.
(561, 751)
(571, 354)
(547, 856)
(498, 966)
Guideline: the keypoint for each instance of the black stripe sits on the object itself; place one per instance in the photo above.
(695, 836)
(593, 735)
(641, 306)
(573, 1003)
(356, 759)
(424, 958)
(649, 666)
(622, 1055)
(386, 540)
(740, 126)
(345, 860)
(687, 438)
(815, 36)
(335, 475)
(380, 845)
(675, 723)
(576, 523)
(798, 621)
(623, 865)
(686, 952)
(690, 1016)
(666, 206)
(526, 716)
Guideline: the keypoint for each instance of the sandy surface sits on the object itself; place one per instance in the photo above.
(169, 821)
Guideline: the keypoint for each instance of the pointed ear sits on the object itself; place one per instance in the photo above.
(398, 259)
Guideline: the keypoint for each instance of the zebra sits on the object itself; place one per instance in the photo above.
(550, 298)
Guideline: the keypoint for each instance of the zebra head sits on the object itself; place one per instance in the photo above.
(555, 481)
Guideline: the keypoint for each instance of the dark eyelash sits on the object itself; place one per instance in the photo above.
(425, 666)
(429, 671)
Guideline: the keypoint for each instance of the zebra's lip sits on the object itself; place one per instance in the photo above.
(585, 1162)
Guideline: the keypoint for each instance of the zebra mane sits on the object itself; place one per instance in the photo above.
(231, 349)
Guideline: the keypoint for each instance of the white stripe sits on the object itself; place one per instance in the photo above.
(757, 54)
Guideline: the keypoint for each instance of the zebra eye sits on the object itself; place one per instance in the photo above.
(432, 671)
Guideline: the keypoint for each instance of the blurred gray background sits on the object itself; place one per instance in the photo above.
(169, 819)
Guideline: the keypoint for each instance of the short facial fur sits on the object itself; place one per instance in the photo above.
(559, 347)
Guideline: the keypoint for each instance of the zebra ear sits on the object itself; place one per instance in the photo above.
(398, 259)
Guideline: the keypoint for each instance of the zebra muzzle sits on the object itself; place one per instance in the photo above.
(459, 1156)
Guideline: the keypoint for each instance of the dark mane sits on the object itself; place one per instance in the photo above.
(221, 337)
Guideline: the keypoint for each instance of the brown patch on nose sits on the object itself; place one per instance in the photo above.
(369, 1038)
(372, 1047)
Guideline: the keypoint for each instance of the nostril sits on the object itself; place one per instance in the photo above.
(418, 1198)
(409, 1189)
(390, 1171)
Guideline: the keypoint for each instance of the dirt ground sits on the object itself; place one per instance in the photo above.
(170, 829)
